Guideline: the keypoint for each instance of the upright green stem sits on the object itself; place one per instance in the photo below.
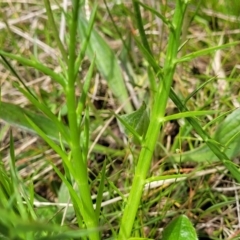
(80, 167)
(158, 112)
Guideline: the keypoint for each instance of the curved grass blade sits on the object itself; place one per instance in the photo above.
(11, 68)
(85, 90)
(50, 142)
(227, 134)
(205, 52)
(157, 13)
(63, 131)
(54, 28)
(85, 42)
(198, 89)
(100, 191)
(187, 114)
(37, 65)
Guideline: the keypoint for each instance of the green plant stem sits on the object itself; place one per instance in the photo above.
(158, 112)
(80, 167)
(158, 71)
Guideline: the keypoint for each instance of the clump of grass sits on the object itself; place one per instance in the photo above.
(114, 185)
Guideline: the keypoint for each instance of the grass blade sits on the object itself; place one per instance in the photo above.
(202, 52)
(55, 30)
(51, 143)
(37, 65)
(187, 114)
(228, 130)
(154, 11)
(106, 63)
(100, 191)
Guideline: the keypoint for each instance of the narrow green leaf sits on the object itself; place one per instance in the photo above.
(85, 42)
(85, 89)
(6, 185)
(180, 229)
(139, 238)
(166, 177)
(53, 26)
(214, 148)
(187, 114)
(62, 130)
(71, 234)
(202, 52)
(17, 189)
(218, 118)
(152, 82)
(198, 89)
(49, 141)
(216, 207)
(37, 65)
(149, 58)
(78, 207)
(157, 13)
(140, 25)
(229, 129)
(100, 191)
(86, 135)
(106, 63)
(14, 72)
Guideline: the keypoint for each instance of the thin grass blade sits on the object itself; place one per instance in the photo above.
(48, 140)
(106, 63)
(228, 130)
(37, 65)
(62, 130)
(187, 114)
(206, 51)
(100, 191)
